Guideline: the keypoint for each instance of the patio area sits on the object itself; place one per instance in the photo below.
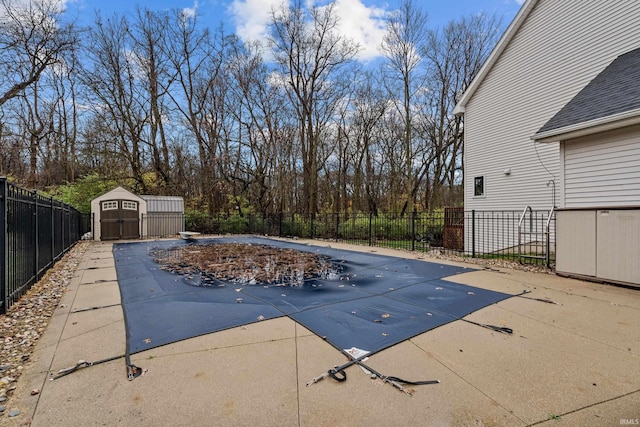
(573, 359)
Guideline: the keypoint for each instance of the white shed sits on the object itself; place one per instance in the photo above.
(120, 214)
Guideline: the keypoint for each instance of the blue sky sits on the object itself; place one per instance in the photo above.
(361, 20)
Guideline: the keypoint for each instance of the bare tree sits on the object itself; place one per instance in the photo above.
(401, 46)
(111, 75)
(263, 115)
(35, 116)
(62, 155)
(99, 147)
(455, 55)
(369, 106)
(148, 41)
(158, 96)
(12, 148)
(33, 37)
(311, 54)
(197, 60)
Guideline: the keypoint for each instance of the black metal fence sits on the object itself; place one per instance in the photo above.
(36, 232)
(528, 237)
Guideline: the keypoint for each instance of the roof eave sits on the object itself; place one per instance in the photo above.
(602, 124)
(495, 54)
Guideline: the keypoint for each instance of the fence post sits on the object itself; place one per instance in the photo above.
(68, 223)
(473, 233)
(413, 230)
(337, 226)
(4, 273)
(36, 237)
(370, 226)
(53, 231)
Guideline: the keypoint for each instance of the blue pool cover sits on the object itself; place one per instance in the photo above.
(374, 301)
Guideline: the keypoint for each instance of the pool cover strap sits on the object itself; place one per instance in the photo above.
(338, 374)
(501, 329)
(394, 381)
(133, 371)
(83, 364)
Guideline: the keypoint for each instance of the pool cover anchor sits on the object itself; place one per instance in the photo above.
(134, 371)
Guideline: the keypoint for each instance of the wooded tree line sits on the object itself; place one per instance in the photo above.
(294, 123)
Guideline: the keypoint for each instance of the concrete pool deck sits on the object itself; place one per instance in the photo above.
(575, 361)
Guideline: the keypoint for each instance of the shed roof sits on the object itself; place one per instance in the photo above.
(164, 203)
(612, 95)
(117, 192)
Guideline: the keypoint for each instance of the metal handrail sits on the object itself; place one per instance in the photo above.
(550, 215)
(546, 234)
(524, 213)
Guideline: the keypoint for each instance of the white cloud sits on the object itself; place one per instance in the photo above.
(277, 79)
(363, 24)
(58, 5)
(251, 17)
(190, 12)
(25, 11)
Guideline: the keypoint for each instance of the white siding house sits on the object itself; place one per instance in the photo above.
(549, 53)
(599, 134)
(548, 122)
(602, 169)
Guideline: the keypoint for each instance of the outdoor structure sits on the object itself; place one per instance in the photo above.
(599, 134)
(164, 217)
(513, 156)
(120, 214)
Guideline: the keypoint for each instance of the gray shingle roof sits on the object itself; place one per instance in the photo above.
(615, 90)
